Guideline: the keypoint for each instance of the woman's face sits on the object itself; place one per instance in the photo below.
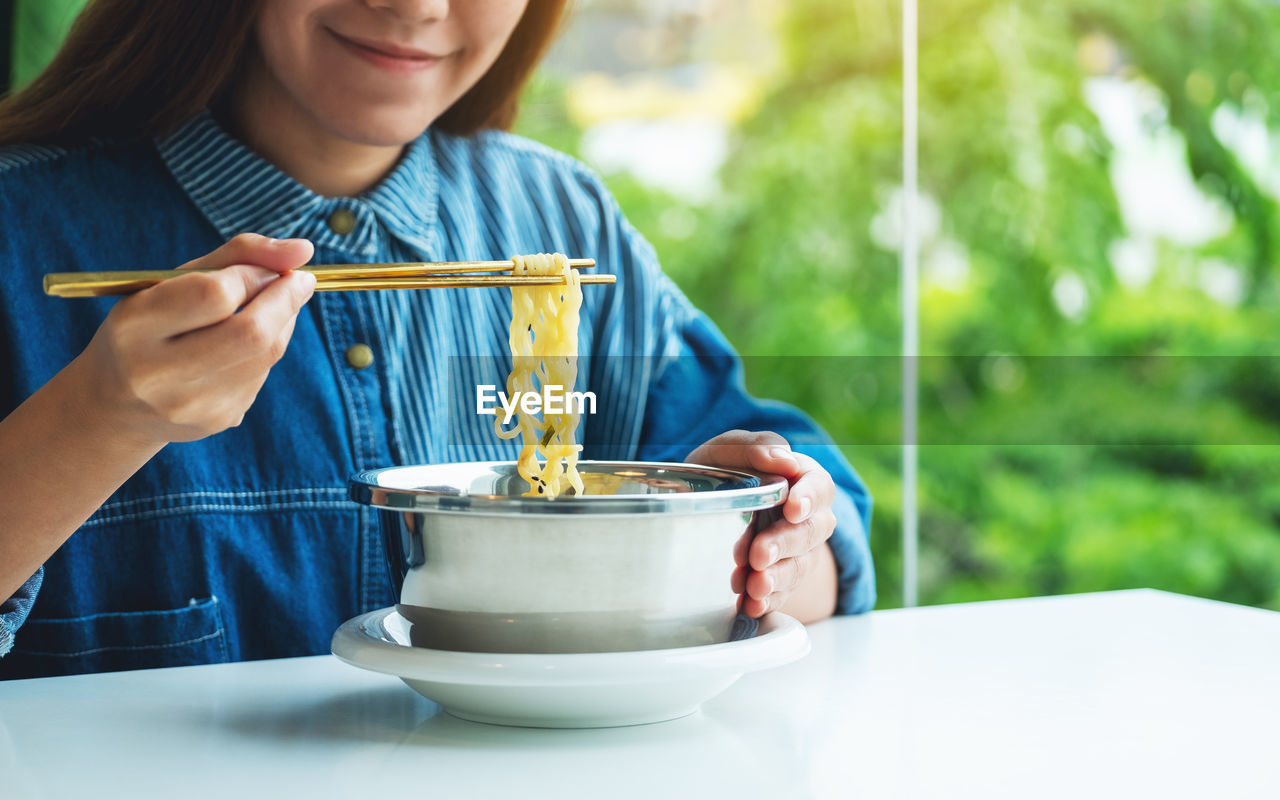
(378, 72)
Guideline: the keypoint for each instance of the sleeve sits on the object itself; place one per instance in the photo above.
(698, 392)
(695, 390)
(14, 611)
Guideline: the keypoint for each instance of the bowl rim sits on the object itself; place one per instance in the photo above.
(750, 492)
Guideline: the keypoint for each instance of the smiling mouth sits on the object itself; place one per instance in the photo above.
(386, 55)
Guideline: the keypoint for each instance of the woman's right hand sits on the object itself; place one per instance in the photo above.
(176, 362)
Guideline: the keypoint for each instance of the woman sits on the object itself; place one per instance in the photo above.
(173, 475)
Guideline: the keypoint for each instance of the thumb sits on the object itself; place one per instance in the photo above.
(761, 451)
(277, 255)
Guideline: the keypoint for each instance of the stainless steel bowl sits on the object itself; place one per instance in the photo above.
(641, 561)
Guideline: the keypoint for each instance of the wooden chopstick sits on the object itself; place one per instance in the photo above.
(329, 277)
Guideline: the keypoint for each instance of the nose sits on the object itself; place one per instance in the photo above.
(413, 10)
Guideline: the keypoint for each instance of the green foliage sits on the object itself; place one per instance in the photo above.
(1127, 443)
(39, 27)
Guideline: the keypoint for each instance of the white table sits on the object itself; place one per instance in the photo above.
(1125, 694)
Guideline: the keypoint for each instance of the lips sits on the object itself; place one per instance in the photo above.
(387, 55)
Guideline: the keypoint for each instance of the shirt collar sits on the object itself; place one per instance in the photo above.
(238, 191)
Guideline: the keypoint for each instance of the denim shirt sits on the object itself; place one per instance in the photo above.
(244, 545)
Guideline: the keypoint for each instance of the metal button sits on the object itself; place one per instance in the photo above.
(359, 355)
(342, 221)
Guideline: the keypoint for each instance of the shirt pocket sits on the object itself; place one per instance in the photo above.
(192, 634)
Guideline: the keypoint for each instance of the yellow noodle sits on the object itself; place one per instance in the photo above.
(544, 348)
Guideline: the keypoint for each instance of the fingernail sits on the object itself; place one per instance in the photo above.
(806, 505)
(773, 553)
(780, 453)
(764, 606)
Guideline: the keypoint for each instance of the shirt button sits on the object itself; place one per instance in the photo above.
(359, 355)
(342, 221)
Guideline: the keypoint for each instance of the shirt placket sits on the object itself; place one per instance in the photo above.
(355, 353)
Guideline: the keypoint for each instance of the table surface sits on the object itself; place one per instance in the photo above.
(1122, 694)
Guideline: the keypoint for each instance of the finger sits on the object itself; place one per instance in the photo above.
(222, 397)
(271, 354)
(260, 331)
(286, 335)
(813, 490)
(738, 580)
(188, 302)
(764, 592)
(764, 451)
(783, 576)
(277, 255)
(786, 539)
(743, 545)
(217, 300)
(758, 607)
(191, 302)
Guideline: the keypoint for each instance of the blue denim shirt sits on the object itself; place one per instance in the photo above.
(243, 545)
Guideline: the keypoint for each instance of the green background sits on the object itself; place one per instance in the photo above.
(1146, 457)
(38, 27)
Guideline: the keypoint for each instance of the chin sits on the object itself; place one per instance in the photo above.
(380, 126)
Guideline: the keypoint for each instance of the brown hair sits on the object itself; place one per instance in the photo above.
(139, 68)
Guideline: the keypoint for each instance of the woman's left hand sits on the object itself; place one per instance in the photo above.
(773, 563)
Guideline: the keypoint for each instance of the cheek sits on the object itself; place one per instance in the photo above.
(489, 25)
(283, 37)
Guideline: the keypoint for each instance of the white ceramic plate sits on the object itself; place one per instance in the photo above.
(571, 690)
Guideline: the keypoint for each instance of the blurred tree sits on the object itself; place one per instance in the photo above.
(1130, 466)
(1087, 429)
(39, 27)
